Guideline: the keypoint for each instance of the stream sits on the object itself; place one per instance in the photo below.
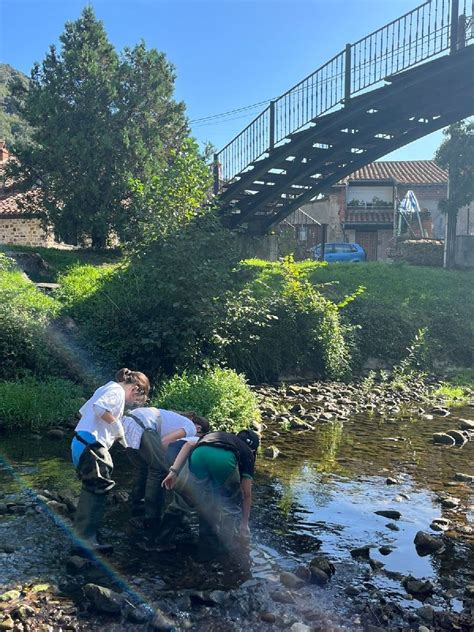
(318, 496)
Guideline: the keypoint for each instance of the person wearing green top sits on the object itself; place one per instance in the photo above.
(218, 483)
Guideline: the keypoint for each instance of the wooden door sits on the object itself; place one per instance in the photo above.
(368, 241)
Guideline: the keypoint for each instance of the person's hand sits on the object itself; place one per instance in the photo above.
(169, 481)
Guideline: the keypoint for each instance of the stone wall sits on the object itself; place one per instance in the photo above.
(419, 252)
(24, 232)
(464, 253)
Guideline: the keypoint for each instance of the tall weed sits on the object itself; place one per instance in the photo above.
(220, 395)
(36, 404)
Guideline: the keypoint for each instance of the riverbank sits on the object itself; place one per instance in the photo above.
(366, 447)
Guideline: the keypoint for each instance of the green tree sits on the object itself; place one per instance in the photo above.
(456, 153)
(100, 119)
(170, 198)
(12, 125)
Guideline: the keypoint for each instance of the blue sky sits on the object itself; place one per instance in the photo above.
(227, 53)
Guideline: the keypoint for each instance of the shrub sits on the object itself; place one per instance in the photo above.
(34, 404)
(24, 316)
(157, 312)
(283, 328)
(220, 395)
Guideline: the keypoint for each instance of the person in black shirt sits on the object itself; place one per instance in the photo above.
(221, 469)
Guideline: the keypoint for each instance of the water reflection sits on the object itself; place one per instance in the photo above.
(319, 494)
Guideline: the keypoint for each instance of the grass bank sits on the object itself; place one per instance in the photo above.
(397, 300)
(59, 260)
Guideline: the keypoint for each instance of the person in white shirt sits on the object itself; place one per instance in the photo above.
(153, 436)
(99, 427)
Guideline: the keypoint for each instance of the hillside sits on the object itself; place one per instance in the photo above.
(11, 125)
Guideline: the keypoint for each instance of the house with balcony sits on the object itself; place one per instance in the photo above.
(362, 207)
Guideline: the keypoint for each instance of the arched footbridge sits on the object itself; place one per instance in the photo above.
(409, 78)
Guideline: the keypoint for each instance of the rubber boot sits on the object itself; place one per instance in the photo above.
(88, 517)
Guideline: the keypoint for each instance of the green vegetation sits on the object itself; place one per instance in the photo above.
(220, 395)
(24, 317)
(184, 305)
(35, 404)
(157, 311)
(59, 260)
(453, 395)
(12, 125)
(397, 301)
(286, 329)
(100, 120)
(456, 154)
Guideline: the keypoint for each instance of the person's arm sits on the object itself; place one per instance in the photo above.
(180, 460)
(172, 436)
(108, 417)
(246, 488)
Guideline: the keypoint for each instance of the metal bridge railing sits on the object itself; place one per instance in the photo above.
(428, 30)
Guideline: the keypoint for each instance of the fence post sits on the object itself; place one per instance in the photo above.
(323, 242)
(272, 124)
(347, 75)
(454, 25)
(215, 173)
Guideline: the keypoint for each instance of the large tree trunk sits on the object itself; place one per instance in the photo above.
(451, 219)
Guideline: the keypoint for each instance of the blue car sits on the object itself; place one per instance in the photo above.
(340, 252)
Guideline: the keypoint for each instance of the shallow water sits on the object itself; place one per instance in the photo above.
(319, 494)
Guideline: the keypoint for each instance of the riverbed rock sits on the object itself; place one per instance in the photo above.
(426, 543)
(323, 563)
(385, 550)
(23, 612)
(426, 613)
(440, 412)
(282, 596)
(7, 548)
(290, 580)
(10, 595)
(440, 524)
(7, 623)
(161, 622)
(137, 614)
(268, 617)
(361, 552)
(417, 587)
(450, 502)
(76, 564)
(391, 514)
(59, 508)
(466, 424)
(392, 481)
(271, 452)
(300, 627)
(304, 573)
(55, 433)
(318, 576)
(103, 599)
(460, 438)
(465, 478)
(441, 438)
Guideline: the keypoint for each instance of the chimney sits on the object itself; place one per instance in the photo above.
(3, 152)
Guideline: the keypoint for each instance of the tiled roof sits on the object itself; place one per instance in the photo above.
(10, 205)
(404, 171)
(369, 217)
